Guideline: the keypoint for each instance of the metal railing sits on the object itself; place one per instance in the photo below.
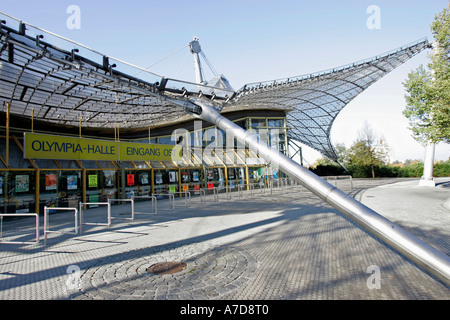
(19, 215)
(108, 223)
(123, 200)
(250, 187)
(215, 191)
(171, 198)
(261, 185)
(273, 184)
(154, 204)
(337, 178)
(47, 222)
(228, 190)
(187, 197)
(200, 192)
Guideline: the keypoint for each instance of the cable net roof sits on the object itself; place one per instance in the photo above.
(64, 87)
(313, 101)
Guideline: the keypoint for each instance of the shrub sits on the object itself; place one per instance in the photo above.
(414, 170)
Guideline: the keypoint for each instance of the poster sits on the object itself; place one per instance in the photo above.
(110, 178)
(130, 179)
(185, 177)
(50, 181)
(93, 198)
(197, 189)
(241, 174)
(210, 174)
(221, 177)
(158, 178)
(185, 187)
(210, 185)
(144, 178)
(72, 201)
(93, 181)
(72, 182)
(1, 184)
(172, 189)
(22, 183)
(172, 176)
(195, 176)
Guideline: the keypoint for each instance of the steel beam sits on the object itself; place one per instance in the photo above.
(425, 256)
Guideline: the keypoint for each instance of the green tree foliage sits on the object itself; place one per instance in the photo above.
(428, 88)
(363, 159)
(409, 169)
(369, 150)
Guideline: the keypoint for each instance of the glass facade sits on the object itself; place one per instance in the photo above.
(271, 131)
(17, 191)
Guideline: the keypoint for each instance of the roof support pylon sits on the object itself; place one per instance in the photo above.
(195, 47)
(427, 179)
(427, 257)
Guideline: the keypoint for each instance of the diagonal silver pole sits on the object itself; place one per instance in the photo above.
(425, 256)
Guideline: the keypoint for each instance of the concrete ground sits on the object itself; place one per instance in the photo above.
(281, 245)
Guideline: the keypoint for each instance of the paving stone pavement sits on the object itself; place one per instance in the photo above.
(287, 245)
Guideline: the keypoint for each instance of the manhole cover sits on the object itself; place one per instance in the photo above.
(195, 267)
(162, 268)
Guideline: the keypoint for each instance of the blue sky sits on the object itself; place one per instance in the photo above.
(251, 41)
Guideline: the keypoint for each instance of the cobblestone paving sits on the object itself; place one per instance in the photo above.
(288, 245)
(208, 275)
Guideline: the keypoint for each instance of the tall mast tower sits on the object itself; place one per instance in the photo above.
(195, 47)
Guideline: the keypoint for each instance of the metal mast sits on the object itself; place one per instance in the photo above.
(427, 257)
(195, 47)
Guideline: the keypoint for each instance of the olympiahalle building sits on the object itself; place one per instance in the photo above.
(79, 126)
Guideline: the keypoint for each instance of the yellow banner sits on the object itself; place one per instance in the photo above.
(44, 146)
(130, 151)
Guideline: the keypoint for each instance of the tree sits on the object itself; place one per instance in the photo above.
(428, 88)
(342, 153)
(369, 150)
(342, 160)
